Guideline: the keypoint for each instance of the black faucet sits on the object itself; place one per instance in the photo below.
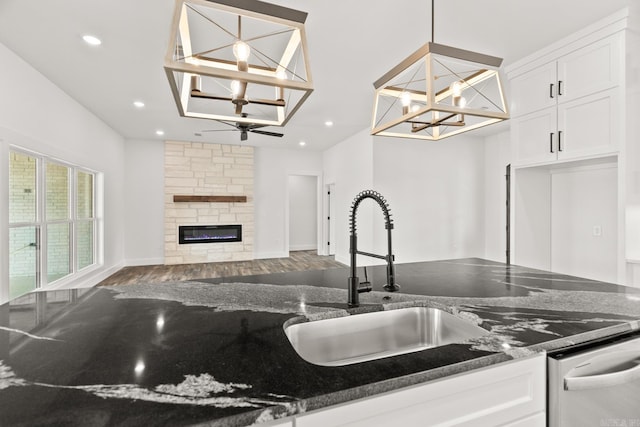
(354, 284)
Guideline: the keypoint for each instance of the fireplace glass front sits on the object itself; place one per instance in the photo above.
(209, 233)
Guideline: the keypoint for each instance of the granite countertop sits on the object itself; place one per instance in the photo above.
(214, 351)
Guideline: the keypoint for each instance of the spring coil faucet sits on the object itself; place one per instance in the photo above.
(354, 285)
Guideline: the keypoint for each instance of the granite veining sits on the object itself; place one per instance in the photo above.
(214, 352)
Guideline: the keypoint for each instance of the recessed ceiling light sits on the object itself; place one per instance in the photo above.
(92, 40)
(138, 104)
(159, 132)
(302, 143)
(328, 123)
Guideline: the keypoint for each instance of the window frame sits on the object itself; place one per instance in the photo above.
(42, 222)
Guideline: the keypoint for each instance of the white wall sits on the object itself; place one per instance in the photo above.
(272, 166)
(497, 156)
(349, 165)
(144, 201)
(303, 212)
(37, 115)
(632, 165)
(436, 193)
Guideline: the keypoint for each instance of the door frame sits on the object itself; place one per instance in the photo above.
(319, 209)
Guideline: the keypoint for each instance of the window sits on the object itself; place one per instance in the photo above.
(52, 221)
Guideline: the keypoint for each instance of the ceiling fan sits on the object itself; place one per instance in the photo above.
(245, 128)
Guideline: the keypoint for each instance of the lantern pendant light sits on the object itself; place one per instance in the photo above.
(437, 92)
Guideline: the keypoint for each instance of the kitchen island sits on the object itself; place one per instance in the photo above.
(214, 351)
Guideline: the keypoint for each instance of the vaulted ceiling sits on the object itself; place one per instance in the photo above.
(351, 44)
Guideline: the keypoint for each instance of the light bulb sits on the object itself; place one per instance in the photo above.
(282, 75)
(241, 51)
(415, 108)
(235, 87)
(462, 102)
(405, 99)
(456, 89)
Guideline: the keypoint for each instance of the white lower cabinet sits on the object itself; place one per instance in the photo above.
(287, 422)
(508, 394)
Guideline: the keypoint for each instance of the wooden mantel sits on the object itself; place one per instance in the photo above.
(209, 199)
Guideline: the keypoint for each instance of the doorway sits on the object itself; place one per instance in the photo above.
(303, 212)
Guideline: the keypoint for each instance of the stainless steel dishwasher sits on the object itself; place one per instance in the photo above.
(595, 385)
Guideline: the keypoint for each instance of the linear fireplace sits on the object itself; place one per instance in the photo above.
(209, 233)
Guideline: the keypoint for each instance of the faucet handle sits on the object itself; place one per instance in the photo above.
(365, 287)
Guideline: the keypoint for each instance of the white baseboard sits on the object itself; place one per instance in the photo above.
(143, 261)
(345, 260)
(267, 255)
(87, 280)
(307, 247)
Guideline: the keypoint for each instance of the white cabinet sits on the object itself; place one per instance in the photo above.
(535, 135)
(533, 90)
(589, 126)
(593, 68)
(286, 422)
(571, 124)
(570, 107)
(507, 394)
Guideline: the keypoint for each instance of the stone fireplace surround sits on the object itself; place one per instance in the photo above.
(197, 169)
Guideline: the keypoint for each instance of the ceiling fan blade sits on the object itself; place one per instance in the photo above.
(262, 132)
(218, 130)
(235, 126)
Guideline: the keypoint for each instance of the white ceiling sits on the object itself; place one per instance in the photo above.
(351, 44)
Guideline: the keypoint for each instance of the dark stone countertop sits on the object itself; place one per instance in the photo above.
(214, 351)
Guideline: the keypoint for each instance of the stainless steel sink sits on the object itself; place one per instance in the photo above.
(369, 336)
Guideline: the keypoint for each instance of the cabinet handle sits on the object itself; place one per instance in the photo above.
(559, 87)
(551, 90)
(551, 142)
(559, 140)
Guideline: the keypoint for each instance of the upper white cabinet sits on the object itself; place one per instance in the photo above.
(568, 106)
(572, 144)
(534, 90)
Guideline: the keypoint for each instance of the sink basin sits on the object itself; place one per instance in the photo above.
(370, 336)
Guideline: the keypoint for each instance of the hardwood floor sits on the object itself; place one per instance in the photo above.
(297, 261)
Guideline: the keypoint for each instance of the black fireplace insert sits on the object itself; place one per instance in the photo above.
(209, 233)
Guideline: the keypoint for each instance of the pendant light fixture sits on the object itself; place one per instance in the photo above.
(242, 61)
(437, 92)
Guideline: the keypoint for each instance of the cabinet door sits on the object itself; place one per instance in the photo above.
(534, 137)
(590, 69)
(533, 90)
(511, 393)
(589, 126)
